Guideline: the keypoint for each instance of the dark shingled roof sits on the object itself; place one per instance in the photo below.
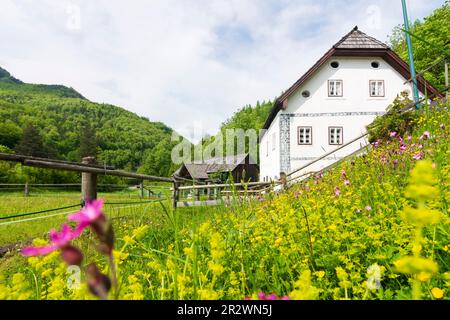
(356, 39)
(225, 164)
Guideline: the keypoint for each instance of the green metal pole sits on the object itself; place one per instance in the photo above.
(410, 54)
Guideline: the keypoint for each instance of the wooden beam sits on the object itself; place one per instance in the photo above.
(77, 167)
(185, 204)
(211, 186)
(22, 158)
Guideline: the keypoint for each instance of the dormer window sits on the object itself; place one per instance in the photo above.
(335, 88)
(376, 88)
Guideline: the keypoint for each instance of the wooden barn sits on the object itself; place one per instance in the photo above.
(241, 167)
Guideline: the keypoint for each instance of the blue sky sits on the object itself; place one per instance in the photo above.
(188, 63)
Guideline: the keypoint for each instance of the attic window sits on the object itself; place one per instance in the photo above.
(375, 64)
(306, 94)
(334, 64)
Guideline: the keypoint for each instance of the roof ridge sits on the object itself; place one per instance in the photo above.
(355, 30)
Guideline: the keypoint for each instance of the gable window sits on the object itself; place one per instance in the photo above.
(335, 88)
(335, 135)
(304, 135)
(376, 88)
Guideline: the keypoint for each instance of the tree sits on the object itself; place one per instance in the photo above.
(10, 134)
(88, 141)
(429, 38)
(31, 143)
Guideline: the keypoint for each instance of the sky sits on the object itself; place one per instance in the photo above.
(188, 63)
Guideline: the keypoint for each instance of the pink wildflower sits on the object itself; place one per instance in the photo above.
(418, 156)
(347, 182)
(393, 134)
(91, 213)
(270, 297)
(426, 135)
(59, 241)
(337, 191)
(368, 208)
(409, 138)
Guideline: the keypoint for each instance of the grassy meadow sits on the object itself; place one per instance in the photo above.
(373, 227)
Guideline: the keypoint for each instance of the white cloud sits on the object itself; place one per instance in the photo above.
(181, 62)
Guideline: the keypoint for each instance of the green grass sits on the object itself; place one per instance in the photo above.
(123, 216)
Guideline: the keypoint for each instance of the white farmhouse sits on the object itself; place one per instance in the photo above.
(331, 105)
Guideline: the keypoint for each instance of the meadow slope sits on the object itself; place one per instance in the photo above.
(373, 227)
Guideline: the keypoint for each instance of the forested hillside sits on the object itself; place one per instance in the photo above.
(58, 122)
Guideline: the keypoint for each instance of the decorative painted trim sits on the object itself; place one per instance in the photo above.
(285, 143)
(335, 114)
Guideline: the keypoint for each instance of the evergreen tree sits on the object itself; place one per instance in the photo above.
(88, 141)
(31, 143)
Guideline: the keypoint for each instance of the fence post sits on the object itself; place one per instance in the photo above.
(88, 182)
(197, 194)
(27, 190)
(141, 187)
(175, 193)
(446, 80)
(283, 179)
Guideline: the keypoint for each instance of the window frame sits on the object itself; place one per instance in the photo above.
(329, 136)
(370, 89)
(342, 88)
(310, 134)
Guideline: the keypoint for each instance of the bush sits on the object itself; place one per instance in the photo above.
(394, 121)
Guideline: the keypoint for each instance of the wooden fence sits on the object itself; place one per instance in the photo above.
(89, 171)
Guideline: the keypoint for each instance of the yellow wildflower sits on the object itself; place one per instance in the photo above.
(437, 293)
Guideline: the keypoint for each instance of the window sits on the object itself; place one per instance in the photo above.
(335, 135)
(334, 64)
(335, 88)
(274, 141)
(306, 94)
(377, 88)
(304, 135)
(375, 64)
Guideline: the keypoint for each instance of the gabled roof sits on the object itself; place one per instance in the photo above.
(357, 44)
(356, 39)
(200, 170)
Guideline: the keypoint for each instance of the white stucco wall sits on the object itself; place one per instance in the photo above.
(270, 161)
(320, 111)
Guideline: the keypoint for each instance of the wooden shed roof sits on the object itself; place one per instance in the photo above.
(200, 170)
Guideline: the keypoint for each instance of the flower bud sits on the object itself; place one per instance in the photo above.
(99, 284)
(71, 255)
